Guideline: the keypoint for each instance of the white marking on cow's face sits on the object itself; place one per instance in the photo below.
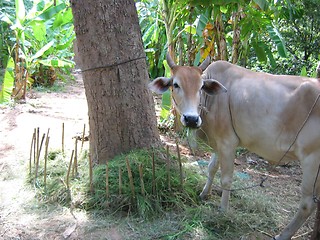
(186, 87)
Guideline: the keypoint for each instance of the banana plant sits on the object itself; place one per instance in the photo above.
(42, 36)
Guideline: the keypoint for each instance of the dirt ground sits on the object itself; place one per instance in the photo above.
(22, 217)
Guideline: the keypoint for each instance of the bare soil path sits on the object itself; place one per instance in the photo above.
(20, 214)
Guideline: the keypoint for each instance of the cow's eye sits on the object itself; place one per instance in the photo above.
(175, 85)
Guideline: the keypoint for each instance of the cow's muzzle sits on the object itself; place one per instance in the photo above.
(191, 121)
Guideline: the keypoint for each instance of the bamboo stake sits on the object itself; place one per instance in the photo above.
(37, 139)
(75, 163)
(107, 180)
(90, 174)
(83, 133)
(153, 175)
(42, 140)
(130, 178)
(69, 168)
(141, 180)
(45, 161)
(38, 155)
(120, 181)
(48, 132)
(46, 158)
(30, 159)
(168, 169)
(62, 147)
(34, 146)
(180, 165)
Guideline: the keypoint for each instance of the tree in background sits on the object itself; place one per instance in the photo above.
(228, 30)
(121, 110)
(300, 26)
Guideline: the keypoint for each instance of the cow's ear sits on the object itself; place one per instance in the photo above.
(160, 84)
(213, 87)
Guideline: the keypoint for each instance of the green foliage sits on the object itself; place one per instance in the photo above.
(40, 35)
(300, 27)
(272, 33)
(7, 85)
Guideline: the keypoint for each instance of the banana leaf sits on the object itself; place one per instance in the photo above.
(8, 82)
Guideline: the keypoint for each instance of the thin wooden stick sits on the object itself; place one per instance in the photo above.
(30, 159)
(75, 163)
(83, 133)
(168, 169)
(107, 180)
(37, 139)
(120, 181)
(90, 174)
(141, 179)
(180, 165)
(41, 144)
(130, 178)
(45, 161)
(38, 156)
(48, 132)
(153, 175)
(34, 146)
(62, 142)
(69, 169)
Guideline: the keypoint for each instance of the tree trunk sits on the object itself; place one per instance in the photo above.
(120, 106)
(236, 36)
(316, 229)
(221, 39)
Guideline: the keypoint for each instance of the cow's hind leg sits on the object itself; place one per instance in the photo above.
(307, 204)
(212, 169)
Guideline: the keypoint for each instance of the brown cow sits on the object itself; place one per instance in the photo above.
(262, 112)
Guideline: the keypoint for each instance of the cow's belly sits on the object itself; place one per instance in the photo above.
(272, 154)
(269, 143)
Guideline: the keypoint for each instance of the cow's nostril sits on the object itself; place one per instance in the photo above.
(191, 121)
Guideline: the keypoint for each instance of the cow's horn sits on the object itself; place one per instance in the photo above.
(170, 61)
(205, 64)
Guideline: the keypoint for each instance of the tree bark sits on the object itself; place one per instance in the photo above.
(236, 36)
(120, 106)
(316, 229)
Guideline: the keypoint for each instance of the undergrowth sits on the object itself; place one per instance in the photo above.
(157, 195)
(250, 210)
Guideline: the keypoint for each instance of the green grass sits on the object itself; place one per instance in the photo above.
(151, 202)
(174, 213)
(58, 86)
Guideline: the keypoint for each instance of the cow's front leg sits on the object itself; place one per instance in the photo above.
(227, 168)
(212, 169)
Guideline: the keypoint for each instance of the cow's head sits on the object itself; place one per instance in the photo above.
(186, 85)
